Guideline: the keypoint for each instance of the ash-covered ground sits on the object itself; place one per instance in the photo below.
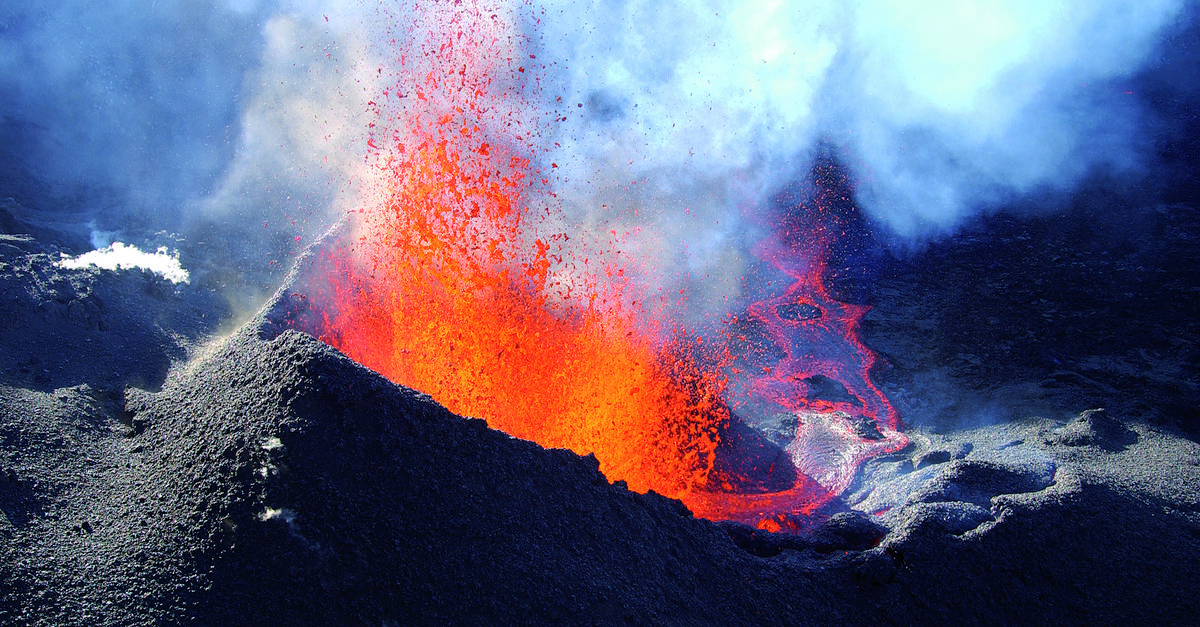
(161, 463)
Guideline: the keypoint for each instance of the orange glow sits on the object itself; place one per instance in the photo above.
(457, 288)
(461, 282)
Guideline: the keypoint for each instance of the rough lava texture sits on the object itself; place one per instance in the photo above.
(152, 472)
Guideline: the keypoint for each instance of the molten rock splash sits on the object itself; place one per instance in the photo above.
(463, 283)
(458, 288)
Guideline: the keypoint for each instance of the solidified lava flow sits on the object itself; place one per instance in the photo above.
(463, 282)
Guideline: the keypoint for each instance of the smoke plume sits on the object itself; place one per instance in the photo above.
(940, 109)
(674, 121)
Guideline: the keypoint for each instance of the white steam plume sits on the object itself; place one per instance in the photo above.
(681, 118)
(941, 108)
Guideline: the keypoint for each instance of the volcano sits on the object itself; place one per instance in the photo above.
(531, 371)
(264, 476)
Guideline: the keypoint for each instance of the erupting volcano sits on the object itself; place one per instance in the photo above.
(696, 313)
(465, 282)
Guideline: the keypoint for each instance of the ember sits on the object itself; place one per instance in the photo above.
(458, 288)
(464, 283)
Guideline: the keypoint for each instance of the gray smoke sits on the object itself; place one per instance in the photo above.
(139, 96)
(231, 129)
(673, 121)
(941, 109)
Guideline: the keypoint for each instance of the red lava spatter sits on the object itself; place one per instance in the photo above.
(462, 283)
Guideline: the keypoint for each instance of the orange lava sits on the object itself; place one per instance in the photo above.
(461, 282)
(458, 288)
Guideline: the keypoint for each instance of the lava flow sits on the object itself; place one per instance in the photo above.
(460, 284)
(822, 379)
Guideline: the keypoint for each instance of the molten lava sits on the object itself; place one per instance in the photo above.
(823, 377)
(454, 292)
(462, 283)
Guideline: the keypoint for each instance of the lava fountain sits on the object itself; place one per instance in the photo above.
(464, 282)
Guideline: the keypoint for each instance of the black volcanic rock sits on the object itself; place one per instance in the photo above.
(349, 498)
(1094, 428)
(268, 478)
(275, 480)
(1096, 305)
(64, 327)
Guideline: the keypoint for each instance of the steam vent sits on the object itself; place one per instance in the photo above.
(616, 313)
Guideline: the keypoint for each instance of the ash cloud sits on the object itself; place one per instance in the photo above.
(229, 128)
(941, 110)
(242, 123)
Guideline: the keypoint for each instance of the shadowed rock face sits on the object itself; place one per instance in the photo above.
(63, 328)
(1093, 307)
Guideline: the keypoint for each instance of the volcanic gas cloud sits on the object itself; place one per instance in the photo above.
(466, 282)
